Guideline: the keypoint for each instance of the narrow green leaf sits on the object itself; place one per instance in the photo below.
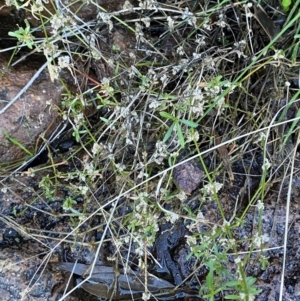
(166, 115)
(189, 123)
(107, 121)
(169, 132)
(210, 275)
(250, 280)
(233, 283)
(232, 297)
(16, 142)
(180, 135)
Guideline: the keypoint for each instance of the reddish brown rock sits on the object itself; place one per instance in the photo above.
(33, 114)
(188, 176)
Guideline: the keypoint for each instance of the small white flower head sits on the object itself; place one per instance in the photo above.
(37, 6)
(56, 22)
(209, 62)
(180, 50)
(260, 205)
(128, 141)
(132, 55)
(259, 240)
(251, 297)
(207, 24)
(237, 260)
(106, 18)
(4, 189)
(197, 94)
(64, 61)
(197, 56)
(127, 5)
(83, 189)
(160, 147)
(279, 54)
(96, 149)
(170, 23)
(210, 189)
(189, 16)
(120, 166)
(191, 240)
(287, 84)
(221, 23)
(172, 217)
(266, 164)
(139, 34)
(192, 136)
(148, 4)
(198, 108)
(240, 45)
(200, 39)
(142, 175)
(154, 103)
(262, 136)
(78, 118)
(146, 21)
(105, 81)
(181, 196)
(164, 79)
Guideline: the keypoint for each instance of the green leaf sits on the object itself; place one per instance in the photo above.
(105, 120)
(210, 275)
(16, 142)
(169, 132)
(250, 280)
(180, 135)
(189, 123)
(167, 115)
(233, 283)
(286, 5)
(232, 297)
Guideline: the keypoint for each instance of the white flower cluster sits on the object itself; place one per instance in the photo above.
(192, 136)
(278, 55)
(259, 240)
(49, 49)
(148, 4)
(222, 21)
(59, 22)
(189, 16)
(266, 166)
(37, 7)
(139, 34)
(106, 18)
(209, 189)
(144, 218)
(200, 40)
(160, 153)
(170, 23)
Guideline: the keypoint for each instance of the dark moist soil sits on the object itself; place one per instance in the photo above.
(23, 258)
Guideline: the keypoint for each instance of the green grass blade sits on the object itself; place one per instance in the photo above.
(17, 143)
(189, 123)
